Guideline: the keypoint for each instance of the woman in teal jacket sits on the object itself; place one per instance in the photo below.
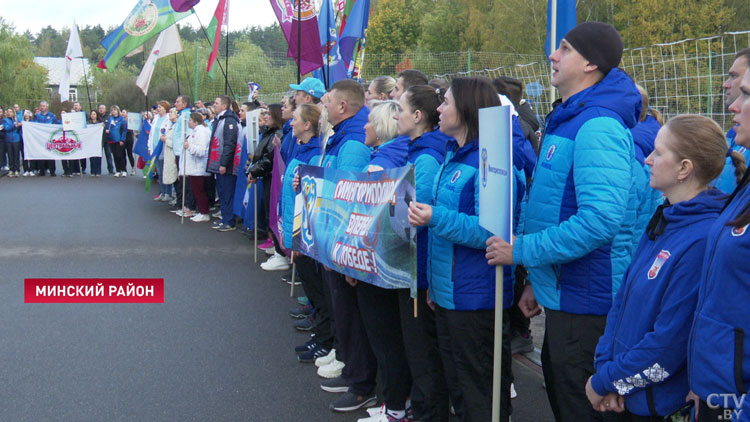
(115, 130)
(462, 284)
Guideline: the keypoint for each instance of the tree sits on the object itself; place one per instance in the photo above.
(23, 81)
(441, 29)
(393, 27)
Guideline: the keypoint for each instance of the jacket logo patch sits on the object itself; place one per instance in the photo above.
(455, 177)
(739, 231)
(551, 152)
(484, 167)
(661, 258)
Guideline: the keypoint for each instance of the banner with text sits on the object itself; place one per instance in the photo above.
(51, 142)
(357, 223)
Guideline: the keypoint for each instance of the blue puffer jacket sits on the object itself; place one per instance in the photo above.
(719, 348)
(308, 153)
(47, 117)
(288, 142)
(117, 126)
(524, 156)
(426, 153)
(390, 154)
(643, 352)
(727, 181)
(346, 149)
(457, 270)
(581, 211)
(10, 130)
(644, 134)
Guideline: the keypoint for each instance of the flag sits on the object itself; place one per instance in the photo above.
(561, 18)
(353, 35)
(148, 170)
(141, 144)
(306, 52)
(333, 66)
(217, 21)
(73, 51)
(168, 43)
(183, 5)
(275, 219)
(148, 18)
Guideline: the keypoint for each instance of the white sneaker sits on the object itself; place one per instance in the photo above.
(123, 174)
(513, 393)
(25, 174)
(375, 411)
(200, 218)
(325, 360)
(117, 174)
(332, 370)
(276, 263)
(158, 198)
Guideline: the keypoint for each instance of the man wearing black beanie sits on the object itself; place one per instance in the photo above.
(580, 215)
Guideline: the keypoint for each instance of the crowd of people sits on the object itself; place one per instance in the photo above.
(627, 232)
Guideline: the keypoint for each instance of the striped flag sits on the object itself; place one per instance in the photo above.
(218, 20)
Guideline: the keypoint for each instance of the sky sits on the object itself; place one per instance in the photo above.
(37, 14)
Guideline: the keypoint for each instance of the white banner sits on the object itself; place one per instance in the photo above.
(50, 142)
(73, 121)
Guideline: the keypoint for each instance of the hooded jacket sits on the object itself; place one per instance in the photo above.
(644, 134)
(643, 352)
(719, 348)
(308, 153)
(117, 127)
(10, 130)
(581, 210)
(426, 154)
(457, 270)
(390, 154)
(346, 149)
(47, 117)
(223, 143)
(288, 142)
(727, 181)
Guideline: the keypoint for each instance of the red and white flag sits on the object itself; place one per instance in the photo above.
(167, 44)
(73, 51)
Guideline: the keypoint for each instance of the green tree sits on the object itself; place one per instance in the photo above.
(520, 26)
(443, 26)
(393, 27)
(23, 81)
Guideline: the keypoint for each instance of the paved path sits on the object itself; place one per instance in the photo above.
(218, 349)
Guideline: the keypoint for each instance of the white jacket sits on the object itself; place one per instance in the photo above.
(197, 152)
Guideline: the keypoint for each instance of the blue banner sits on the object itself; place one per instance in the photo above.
(561, 18)
(357, 224)
(496, 171)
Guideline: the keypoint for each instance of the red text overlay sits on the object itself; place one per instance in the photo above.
(94, 290)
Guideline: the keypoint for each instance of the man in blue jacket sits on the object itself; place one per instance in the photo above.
(581, 211)
(727, 181)
(221, 159)
(47, 117)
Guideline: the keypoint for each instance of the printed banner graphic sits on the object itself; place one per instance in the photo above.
(496, 171)
(357, 223)
(94, 290)
(51, 142)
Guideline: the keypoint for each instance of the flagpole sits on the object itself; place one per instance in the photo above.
(552, 43)
(195, 76)
(187, 72)
(226, 60)
(177, 71)
(88, 94)
(299, 41)
(143, 56)
(205, 34)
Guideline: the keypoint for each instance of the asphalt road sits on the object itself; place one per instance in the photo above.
(220, 347)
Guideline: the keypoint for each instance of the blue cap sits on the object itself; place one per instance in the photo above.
(312, 86)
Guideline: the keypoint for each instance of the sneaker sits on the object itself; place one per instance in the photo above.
(521, 344)
(265, 245)
(116, 175)
(304, 324)
(200, 218)
(124, 174)
(335, 385)
(309, 345)
(286, 278)
(173, 201)
(303, 300)
(157, 197)
(270, 251)
(349, 402)
(375, 411)
(216, 225)
(226, 228)
(513, 393)
(184, 213)
(166, 198)
(325, 360)
(277, 262)
(25, 174)
(132, 172)
(217, 214)
(300, 312)
(332, 370)
(381, 415)
(310, 356)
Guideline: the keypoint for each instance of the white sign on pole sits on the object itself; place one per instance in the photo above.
(74, 121)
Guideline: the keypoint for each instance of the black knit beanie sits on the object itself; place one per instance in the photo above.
(598, 42)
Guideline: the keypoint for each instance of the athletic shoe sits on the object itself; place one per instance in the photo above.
(184, 213)
(25, 174)
(349, 402)
(157, 197)
(216, 225)
(309, 345)
(267, 244)
(277, 262)
(286, 278)
(217, 214)
(173, 201)
(116, 175)
(381, 415)
(513, 393)
(303, 300)
(166, 198)
(310, 356)
(124, 174)
(200, 218)
(226, 228)
(300, 312)
(325, 360)
(304, 324)
(520, 344)
(335, 385)
(132, 172)
(270, 251)
(332, 370)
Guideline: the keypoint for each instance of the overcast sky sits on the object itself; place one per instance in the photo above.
(37, 14)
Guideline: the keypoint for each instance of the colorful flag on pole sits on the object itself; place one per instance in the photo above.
(333, 65)
(214, 28)
(306, 52)
(183, 5)
(148, 170)
(353, 36)
(73, 51)
(148, 18)
(561, 18)
(275, 220)
(167, 44)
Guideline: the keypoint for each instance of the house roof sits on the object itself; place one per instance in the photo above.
(56, 66)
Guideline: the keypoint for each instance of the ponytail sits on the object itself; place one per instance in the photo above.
(743, 219)
(740, 166)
